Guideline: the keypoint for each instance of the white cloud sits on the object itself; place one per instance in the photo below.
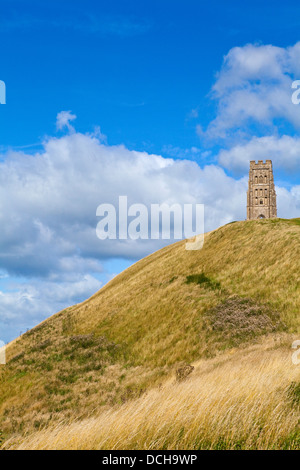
(254, 87)
(49, 213)
(63, 120)
(283, 151)
(288, 202)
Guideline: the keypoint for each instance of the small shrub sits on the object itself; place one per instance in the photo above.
(239, 319)
(183, 372)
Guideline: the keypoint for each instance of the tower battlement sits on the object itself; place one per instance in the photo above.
(259, 163)
(261, 195)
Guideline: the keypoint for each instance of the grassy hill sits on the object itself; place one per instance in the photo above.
(231, 310)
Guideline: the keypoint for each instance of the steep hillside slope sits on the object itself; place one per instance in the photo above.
(245, 399)
(173, 307)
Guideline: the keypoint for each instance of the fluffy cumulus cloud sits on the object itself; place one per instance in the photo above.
(253, 88)
(256, 117)
(48, 201)
(284, 151)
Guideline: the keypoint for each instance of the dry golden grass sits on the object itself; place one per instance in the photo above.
(237, 401)
(152, 321)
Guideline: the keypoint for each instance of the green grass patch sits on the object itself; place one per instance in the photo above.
(203, 280)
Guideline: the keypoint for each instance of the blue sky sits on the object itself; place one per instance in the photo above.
(137, 68)
(161, 100)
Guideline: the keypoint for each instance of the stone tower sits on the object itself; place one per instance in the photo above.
(261, 195)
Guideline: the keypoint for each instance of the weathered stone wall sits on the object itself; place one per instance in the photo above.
(261, 195)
